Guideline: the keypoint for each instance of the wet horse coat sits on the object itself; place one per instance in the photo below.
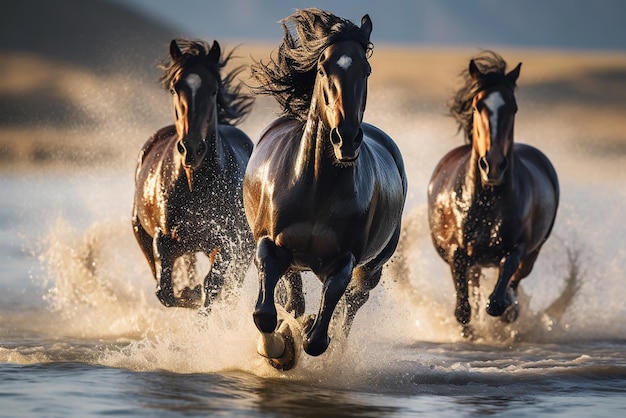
(492, 202)
(189, 178)
(323, 191)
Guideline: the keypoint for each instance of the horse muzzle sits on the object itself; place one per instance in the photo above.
(346, 144)
(492, 171)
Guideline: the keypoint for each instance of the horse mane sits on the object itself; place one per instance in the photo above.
(291, 76)
(492, 67)
(232, 104)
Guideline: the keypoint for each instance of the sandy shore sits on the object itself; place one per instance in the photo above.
(60, 116)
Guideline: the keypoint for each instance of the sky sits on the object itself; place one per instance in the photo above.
(570, 24)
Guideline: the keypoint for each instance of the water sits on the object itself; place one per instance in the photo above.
(82, 333)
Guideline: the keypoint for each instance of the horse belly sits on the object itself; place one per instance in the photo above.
(312, 245)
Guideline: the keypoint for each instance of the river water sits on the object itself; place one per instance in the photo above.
(82, 333)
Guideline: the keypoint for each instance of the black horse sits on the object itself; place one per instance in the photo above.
(490, 202)
(323, 191)
(189, 178)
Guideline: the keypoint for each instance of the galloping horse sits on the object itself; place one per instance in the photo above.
(323, 192)
(490, 202)
(189, 178)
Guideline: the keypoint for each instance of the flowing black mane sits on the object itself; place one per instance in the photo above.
(233, 105)
(291, 76)
(493, 68)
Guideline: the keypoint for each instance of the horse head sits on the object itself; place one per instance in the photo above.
(341, 91)
(194, 89)
(494, 107)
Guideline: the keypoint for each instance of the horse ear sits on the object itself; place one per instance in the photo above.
(366, 25)
(215, 52)
(474, 71)
(514, 74)
(175, 50)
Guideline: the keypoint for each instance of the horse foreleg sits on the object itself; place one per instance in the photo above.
(276, 345)
(164, 249)
(317, 340)
(271, 262)
(500, 299)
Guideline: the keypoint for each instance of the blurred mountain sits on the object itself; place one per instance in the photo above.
(100, 35)
(571, 24)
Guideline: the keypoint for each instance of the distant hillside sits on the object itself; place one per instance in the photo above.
(96, 34)
(571, 24)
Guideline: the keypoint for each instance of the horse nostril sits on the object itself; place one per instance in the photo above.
(484, 165)
(503, 165)
(359, 138)
(335, 138)
(180, 147)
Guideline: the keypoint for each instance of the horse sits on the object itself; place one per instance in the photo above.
(189, 178)
(491, 202)
(324, 191)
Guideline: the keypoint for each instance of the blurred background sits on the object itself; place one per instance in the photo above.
(78, 79)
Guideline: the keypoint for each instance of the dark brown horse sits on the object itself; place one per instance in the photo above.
(491, 202)
(323, 191)
(189, 178)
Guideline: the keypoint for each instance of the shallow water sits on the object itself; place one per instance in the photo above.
(81, 332)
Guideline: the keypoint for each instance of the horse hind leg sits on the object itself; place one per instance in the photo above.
(357, 293)
(145, 242)
(292, 295)
(214, 280)
(511, 313)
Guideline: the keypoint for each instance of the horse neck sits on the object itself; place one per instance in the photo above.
(313, 161)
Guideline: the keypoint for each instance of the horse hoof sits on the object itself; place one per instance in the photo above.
(495, 308)
(510, 314)
(288, 359)
(315, 346)
(467, 333)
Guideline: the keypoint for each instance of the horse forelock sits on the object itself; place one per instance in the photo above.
(492, 67)
(290, 78)
(233, 104)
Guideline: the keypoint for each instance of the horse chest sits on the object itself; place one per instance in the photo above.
(486, 228)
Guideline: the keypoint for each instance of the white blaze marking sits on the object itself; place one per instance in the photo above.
(494, 102)
(344, 62)
(194, 82)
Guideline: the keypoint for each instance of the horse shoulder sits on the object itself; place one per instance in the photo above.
(158, 138)
(378, 136)
(536, 161)
(444, 175)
